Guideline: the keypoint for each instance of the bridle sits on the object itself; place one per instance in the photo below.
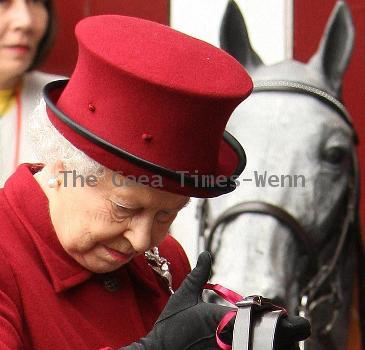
(320, 287)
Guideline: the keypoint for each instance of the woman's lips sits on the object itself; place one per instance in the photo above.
(118, 256)
(19, 49)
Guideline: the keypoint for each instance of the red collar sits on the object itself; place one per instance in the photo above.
(30, 205)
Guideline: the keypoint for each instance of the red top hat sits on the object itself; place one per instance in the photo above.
(151, 102)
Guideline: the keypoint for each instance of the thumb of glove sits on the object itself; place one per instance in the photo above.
(194, 283)
(293, 329)
(189, 293)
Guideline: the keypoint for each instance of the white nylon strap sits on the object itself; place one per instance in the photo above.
(254, 328)
(264, 327)
(241, 330)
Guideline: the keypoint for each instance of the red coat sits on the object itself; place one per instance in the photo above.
(48, 301)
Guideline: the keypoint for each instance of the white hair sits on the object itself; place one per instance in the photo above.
(49, 146)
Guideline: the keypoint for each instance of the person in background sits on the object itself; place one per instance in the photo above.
(86, 259)
(26, 33)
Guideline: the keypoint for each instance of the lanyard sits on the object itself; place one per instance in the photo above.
(18, 127)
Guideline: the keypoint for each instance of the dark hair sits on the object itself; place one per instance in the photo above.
(47, 40)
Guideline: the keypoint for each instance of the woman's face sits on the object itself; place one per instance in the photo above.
(105, 226)
(23, 24)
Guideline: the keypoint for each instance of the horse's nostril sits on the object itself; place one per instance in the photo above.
(278, 301)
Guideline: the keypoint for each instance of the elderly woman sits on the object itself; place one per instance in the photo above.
(136, 131)
(26, 33)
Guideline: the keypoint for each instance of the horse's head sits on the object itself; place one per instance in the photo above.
(300, 158)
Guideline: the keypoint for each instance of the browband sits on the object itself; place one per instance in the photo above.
(294, 86)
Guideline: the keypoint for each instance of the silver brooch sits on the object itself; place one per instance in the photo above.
(160, 265)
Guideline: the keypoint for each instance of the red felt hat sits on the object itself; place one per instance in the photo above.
(151, 102)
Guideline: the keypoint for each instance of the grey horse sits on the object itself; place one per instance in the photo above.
(290, 231)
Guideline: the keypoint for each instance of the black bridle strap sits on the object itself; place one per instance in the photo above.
(303, 88)
(312, 290)
(264, 208)
(321, 277)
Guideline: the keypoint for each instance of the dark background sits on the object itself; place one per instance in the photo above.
(63, 56)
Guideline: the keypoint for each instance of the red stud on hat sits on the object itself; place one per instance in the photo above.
(146, 100)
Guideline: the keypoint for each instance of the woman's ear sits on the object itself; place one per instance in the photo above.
(57, 174)
(58, 166)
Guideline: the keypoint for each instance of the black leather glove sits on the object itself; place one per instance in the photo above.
(290, 331)
(186, 323)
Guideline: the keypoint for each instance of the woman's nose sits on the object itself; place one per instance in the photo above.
(21, 15)
(139, 233)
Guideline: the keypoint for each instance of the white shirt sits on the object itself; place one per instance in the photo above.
(30, 96)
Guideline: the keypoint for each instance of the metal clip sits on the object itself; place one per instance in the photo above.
(252, 300)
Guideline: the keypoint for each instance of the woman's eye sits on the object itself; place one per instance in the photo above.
(29, 2)
(119, 211)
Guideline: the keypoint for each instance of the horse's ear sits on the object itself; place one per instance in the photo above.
(335, 48)
(234, 37)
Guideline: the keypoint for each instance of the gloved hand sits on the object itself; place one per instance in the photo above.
(186, 323)
(290, 331)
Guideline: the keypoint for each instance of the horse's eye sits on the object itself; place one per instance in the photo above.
(334, 155)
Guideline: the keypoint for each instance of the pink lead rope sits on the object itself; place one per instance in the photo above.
(231, 297)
